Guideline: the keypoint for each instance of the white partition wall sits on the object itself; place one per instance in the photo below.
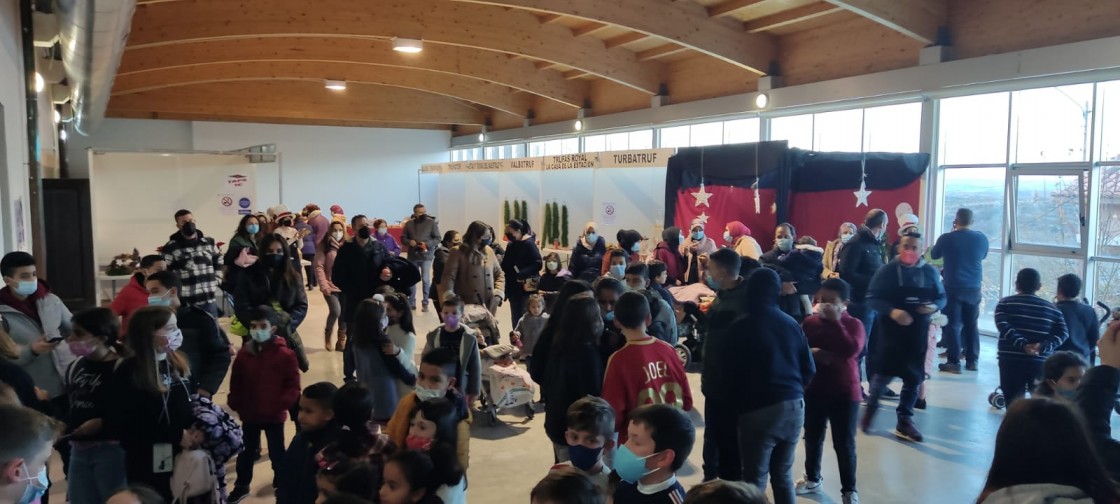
(634, 198)
(572, 188)
(452, 202)
(483, 199)
(429, 193)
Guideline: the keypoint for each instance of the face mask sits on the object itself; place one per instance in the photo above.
(712, 283)
(81, 348)
(261, 335)
(253, 229)
(36, 486)
(727, 236)
(845, 237)
(697, 235)
(592, 238)
(584, 458)
(275, 260)
(908, 257)
(427, 394)
(1067, 394)
(417, 443)
(363, 233)
(510, 237)
(630, 467)
(27, 287)
(164, 300)
(637, 247)
(485, 242)
(174, 339)
(384, 323)
(189, 228)
(382, 231)
(451, 321)
(337, 235)
(286, 222)
(552, 265)
(609, 317)
(161, 356)
(784, 244)
(618, 271)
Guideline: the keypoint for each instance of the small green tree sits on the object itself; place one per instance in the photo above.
(525, 210)
(505, 212)
(555, 229)
(564, 226)
(544, 227)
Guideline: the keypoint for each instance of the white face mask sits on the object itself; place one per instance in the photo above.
(552, 265)
(174, 335)
(337, 235)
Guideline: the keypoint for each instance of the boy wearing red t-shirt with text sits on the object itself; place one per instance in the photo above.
(644, 371)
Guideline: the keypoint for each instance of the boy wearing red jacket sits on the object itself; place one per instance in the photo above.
(834, 394)
(263, 385)
(644, 371)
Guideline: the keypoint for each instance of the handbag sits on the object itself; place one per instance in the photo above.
(193, 476)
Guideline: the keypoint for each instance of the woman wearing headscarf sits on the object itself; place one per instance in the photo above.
(629, 240)
(521, 265)
(798, 263)
(832, 250)
(589, 252)
(738, 236)
(669, 252)
(697, 245)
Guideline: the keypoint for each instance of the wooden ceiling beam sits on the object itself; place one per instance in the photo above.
(791, 16)
(488, 27)
(626, 38)
(731, 7)
(301, 100)
(589, 28)
(133, 114)
(918, 20)
(574, 74)
(549, 18)
(440, 61)
(455, 86)
(660, 51)
(683, 22)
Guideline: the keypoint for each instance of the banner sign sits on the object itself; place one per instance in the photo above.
(571, 161)
(647, 158)
(522, 164)
(652, 158)
(432, 168)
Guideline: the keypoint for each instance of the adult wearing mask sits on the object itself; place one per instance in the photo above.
(242, 250)
(273, 281)
(381, 228)
(832, 250)
(473, 272)
(574, 367)
(197, 260)
(774, 365)
(421, 235)
(325, 254)
(738, 237)
(668, 251)
(451, 240)
(859, 260)
(905, 293)
(134, 295)
(285, 223)
(587, 257)
(963, 251)
(799, 267)
(695, 247)
(320, 224)
(203, 342)
(718, 366)
(359, 269)
(521, 266)
(307, 249)
(630, 242)
(26, 458)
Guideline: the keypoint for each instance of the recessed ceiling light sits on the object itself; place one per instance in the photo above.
(482, 137)
(761, 101)
(39, 83)
(57, 117)
(408, 45)
(62, 135)
(336, 85)
(579, 124)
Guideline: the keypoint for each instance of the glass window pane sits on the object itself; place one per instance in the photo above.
(569, 145)
(1109, 93)
(798, 130)
(492, 153)
(676, 136)
(517, 151)
(1108, 227)
(706, 134)
(1050, 268)
(894, 128)
(618, 141)
(594, 143)
(741, 131)
(1047, 210)
(838, 131)
(990, 289)
(974, 129)
(536, 149)
(1052, 124)
(642, 139)
(981, 190)
(1107, 288)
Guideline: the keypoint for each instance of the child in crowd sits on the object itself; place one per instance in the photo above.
(96, 461)
(664, 324)
(359, 439)
(834, 394)
(346, 476)
(435, 379)
(1061, 375)
(660, 437)
(409, 478)
(616, 268)
(402, 333)
(554, 276)
(644, 371)
(317, 430)
(529, 328)
(463, 341)
(262, 404)
(590, 434)
(725, 492)
(376, 358)
(658, 276)
(434, 429)
(567, 486)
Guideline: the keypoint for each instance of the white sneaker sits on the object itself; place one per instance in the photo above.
(804, 486)
(851, 498)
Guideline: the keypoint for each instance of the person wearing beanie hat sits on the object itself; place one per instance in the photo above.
(695, 246)
(738, 237)
(589, 251)
(337, 215)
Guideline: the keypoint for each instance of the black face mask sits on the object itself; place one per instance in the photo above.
(510, 237)
(189, 228)
(275, 260)
(363, 233)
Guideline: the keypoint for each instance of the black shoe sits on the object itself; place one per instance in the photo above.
(941, 343)
(906, 430)
(921, 404)
(890, 394)
(949, 368)
(238, 494)
(970, 366)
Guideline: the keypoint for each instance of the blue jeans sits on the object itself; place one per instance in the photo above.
(425, 280)
(96, 472)
(906, 399)
(768, 440)
(867, 316)
(962, 333)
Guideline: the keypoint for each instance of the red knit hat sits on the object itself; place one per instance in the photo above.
(335, 209)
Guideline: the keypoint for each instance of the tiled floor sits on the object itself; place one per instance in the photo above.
(509, 458)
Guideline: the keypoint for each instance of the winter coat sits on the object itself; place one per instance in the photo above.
(196, 262)
(320, 225)
(132, 297)
(674, 262)
(298, 470)
(265, 382)
(692, 250)
(307, 242)
(718, 364)
(860, 258)
(389, 242)
(476, 277)
(585, 263)
(566, 379)
(843, 339)
(747, 246)
(831, 258)
(1097, 398)
(14, 376)
(257, 288)
(357, 268)
(54, 321)
(470, 363)
(406, 341)
(233, 251)
(521, 262)
(423, 229)
(803, 267)
(1038, 493)
(205, 346)
(902, 349)
(384, 375)
(439, 261)
(324, 266)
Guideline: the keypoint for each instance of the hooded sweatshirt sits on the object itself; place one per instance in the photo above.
(668, 252)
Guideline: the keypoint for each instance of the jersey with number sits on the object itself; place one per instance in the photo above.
(642, 372)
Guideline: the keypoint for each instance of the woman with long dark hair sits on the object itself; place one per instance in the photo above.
(544, 343)
(472, 271)
(245, 238)
(1061, 375)
(521, 265)
(325, 253)
(273, 281)
(375, 359)
(402, 333)
(451, 240)
(574, 368)
(1043, 453)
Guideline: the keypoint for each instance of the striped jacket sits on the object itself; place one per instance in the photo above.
(1023, 319)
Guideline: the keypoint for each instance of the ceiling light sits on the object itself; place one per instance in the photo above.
(336, 85)
(408, 45)
(481, 137)
(39, 83)
(62, 135)
(57, 117)
(761, 101)
(579, 124)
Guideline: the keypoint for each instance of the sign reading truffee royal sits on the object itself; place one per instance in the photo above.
(571, 161)
(652, 158)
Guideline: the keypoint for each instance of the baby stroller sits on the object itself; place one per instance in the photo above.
(505, 384)
(997, 399)
(690, 305)
(477, 317)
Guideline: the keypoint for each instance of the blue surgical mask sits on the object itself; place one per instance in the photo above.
(712, 283)
(36, 486)
(1067, 394)
(584, 458)
(261, 335)
(630, 467)
(609, 317)
(592, 238)
(427, 394)
(27, 287)
(618, 271)
(784, 244)
(697, 235)
(164, 300)
(485, 242)
(637, 247)
(253, 229)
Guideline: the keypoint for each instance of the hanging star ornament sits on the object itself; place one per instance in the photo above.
(862, 194)
(703, 218)
(702, 197)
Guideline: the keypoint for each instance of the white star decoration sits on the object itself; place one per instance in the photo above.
(702, 197)
(703, 218)
(862, 194)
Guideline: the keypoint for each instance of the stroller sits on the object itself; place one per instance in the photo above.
(997, 399)
(505, 384)
(477, 317)
(691, 307)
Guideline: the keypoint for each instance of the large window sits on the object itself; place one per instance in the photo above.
(554, 147)
(974, 129)
(1052, 124)
(798, 130)
(631, 140)
(890, 128)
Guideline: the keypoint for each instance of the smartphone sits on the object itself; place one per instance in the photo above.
(55, 340)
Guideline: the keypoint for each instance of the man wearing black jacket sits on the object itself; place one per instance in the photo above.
(1097, 397)
(204, 343)
(860, 258)
(359, 269)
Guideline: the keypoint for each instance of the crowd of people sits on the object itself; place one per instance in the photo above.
(790, 337)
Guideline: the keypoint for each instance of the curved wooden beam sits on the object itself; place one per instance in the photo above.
(435, 21)
(918, 20)
(443, 61)
(301, 100)
(454, 86)
(128, 114)
(684, 22)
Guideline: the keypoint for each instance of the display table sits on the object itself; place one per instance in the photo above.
(112, 279)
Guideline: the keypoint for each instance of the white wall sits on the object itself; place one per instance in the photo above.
(13, 145)
(127, 135)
